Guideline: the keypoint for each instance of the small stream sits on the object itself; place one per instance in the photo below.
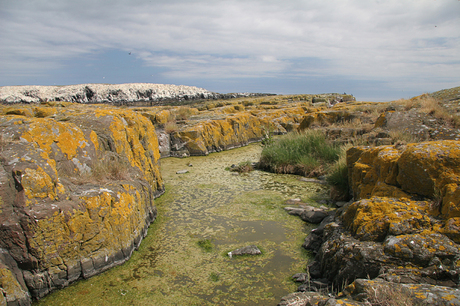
(224, 211)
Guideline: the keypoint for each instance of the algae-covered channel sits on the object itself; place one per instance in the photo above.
(203, 215)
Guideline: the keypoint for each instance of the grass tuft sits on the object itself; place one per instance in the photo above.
(305, 153)
(338, 171)
(243, 167)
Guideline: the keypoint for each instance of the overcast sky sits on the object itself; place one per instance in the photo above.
(378, 50)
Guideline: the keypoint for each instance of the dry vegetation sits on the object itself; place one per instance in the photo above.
(389, 296)
(106, 168)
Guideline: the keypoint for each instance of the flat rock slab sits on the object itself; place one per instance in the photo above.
(247, 250)
(182, 171)
(308, 213)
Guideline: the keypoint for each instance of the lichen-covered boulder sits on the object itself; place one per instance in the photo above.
(428, 169)
(376, 218)
(77, 191)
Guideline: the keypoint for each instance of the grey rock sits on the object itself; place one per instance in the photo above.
(182, 172)
(300, 277)
(247, 250)
(313, 216)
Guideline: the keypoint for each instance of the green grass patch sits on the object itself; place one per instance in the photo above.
(206, 245)
(337, 172)
(307, 154)
(214, 277)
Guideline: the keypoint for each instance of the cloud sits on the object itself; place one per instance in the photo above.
(396, 42)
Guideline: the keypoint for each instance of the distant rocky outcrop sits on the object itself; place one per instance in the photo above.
(102, 93)
(77, 189)
(118, 94)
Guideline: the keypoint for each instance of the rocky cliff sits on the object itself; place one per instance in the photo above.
(77, 189)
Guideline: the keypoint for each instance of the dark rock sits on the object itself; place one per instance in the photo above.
(300, 277)
(295, 211)
(314, 269)
(313, 242)
(313, 216)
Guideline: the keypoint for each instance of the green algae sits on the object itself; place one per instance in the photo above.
(226, 211)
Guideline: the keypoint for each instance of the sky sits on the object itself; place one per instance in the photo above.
(377, 50)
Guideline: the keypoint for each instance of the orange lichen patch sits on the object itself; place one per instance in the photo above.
(220, 134)
(38, 184)
(449, 297)
(106, 222)
(373, 171)
(18, 110)
(429, 169)
(45, 132)
(162, 116)
(135, 138)
(372, 219)
(451, 200)
(94, 139)
(42, 112)
(425, 168)
(325, 117)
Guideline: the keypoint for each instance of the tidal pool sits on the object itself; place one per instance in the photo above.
(203, 215)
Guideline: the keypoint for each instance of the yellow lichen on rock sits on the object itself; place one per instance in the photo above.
(38, 184)
(11, 290)
(73, 223)
(430, 169)
(135, 138)
(46, 132)
(373, 219)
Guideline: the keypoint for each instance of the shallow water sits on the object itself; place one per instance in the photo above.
(223, 210)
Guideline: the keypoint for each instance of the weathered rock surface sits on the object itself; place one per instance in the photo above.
(77, 189)
(223, 128)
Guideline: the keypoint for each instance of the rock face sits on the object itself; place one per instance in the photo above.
(102, 93)
(401, 231)
(77, 189)
(224, 128)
